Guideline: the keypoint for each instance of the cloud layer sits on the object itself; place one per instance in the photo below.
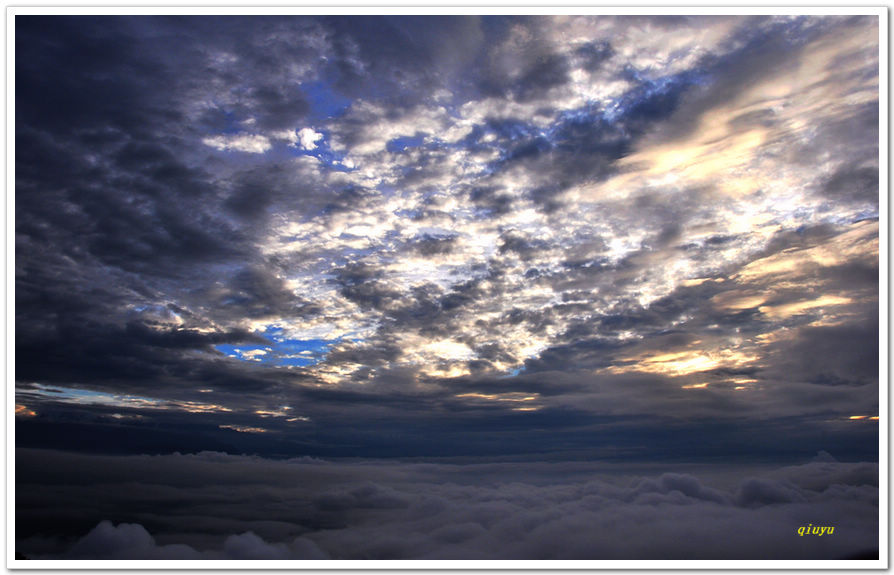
(217, 506)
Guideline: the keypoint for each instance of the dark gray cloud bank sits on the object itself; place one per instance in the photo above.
(537, 239)
(216, 506)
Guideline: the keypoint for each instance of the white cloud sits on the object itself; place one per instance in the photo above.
(250, 143)
(308, 138)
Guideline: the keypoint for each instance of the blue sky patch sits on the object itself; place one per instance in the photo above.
(325, 102)
(282, 351)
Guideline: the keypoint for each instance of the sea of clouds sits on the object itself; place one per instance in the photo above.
(218, 506)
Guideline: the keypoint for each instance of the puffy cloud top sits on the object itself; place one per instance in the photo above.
(215, 506)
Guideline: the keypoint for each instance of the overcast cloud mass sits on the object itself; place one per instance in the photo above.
(599, 273)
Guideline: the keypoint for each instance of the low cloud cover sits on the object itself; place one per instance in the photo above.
(546, 238)
(217, 506)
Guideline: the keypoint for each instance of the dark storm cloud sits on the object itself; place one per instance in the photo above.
(594, 54)
(257, 292)
(361, 284)
(521, 66)
(98, 78)
(113, 209)
(216, 506)
(428, 245)
(548, 71)
(388, 55)
(859, 184)
(242, 50)
(581, 148)
(111, 355)
(147, 219)
(831, 355)
(125, 202)
(512, 241)
(582, 353)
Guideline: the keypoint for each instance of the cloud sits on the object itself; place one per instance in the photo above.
(308, 138)
(251, 143)
(125, 541)
(130, 541)
(235, 507)
(250, 546)
(658, 228)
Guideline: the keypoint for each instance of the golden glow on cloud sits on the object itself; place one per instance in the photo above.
(195, 407)
(774, 336)
(858, 243)
(679, 363)
(335, 373)
(719, 152)
(738, 300)
(512, 396)
(785, 311)
(450, 370)
(525, 402)
(23, 411)
(281, 412)
(739, 384)
(686, 362)
(717, 148)
(436, 358)
(447, 349)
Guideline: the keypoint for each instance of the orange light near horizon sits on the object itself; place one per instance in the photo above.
(24, 411)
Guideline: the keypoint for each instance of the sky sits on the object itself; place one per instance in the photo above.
(483, 279)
